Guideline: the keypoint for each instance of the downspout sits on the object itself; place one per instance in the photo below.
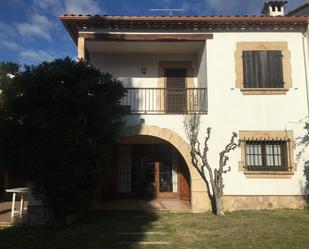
(305, 52)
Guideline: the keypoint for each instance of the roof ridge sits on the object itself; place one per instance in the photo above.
(297, 9)
(178, 16)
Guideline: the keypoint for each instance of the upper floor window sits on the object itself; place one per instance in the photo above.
(263, 67)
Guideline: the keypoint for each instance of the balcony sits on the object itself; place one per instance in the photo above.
(165, 101)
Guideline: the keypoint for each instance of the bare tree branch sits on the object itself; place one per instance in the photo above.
(199, 160)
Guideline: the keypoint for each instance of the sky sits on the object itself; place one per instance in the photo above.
(31, 32)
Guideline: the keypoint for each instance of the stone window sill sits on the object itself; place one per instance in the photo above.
(264, 91)
(269, 174)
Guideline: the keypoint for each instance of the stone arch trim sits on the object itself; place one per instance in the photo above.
(199, 197)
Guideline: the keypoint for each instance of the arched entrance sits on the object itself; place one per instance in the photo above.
(150, 167)
(150, 162)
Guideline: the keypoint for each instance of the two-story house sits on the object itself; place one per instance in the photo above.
(247, 74)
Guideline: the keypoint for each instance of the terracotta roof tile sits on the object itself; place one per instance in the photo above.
(72, 22)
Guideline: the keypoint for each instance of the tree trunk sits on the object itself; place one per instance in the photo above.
(219, 206)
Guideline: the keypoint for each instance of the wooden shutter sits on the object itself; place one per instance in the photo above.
(175, 92)
(250, 66)
(184, 180)
(274, 59)
(175, 78)
(263, 69)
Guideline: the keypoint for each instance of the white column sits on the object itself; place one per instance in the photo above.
(81, 48)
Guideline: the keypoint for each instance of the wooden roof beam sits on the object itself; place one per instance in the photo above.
(145, 37)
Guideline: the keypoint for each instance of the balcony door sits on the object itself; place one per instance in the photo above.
(175, 100)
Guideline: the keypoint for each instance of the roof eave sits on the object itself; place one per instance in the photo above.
(63, 20)
(69, 18)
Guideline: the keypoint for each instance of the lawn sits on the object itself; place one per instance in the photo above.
(244, 229)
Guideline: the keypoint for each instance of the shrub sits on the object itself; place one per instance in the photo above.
(58, 123)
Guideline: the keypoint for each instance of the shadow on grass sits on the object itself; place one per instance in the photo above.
(108, 229)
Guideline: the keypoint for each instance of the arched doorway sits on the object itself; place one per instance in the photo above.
(148, 164)
(150, 167)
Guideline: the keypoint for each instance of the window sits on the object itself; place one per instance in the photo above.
(267, 153)
(263, 67)
(173, 100)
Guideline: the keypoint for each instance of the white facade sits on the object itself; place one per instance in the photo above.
(228, 109)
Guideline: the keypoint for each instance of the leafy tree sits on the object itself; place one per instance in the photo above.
(212, 176)
(8, 71)
(304, 141)
(58, 122)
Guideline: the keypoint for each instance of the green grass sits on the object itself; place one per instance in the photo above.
(277, 229)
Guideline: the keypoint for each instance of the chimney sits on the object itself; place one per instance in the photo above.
(274, 8)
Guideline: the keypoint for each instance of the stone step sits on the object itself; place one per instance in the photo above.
(141, 233)
(144, 227)
(145, 242)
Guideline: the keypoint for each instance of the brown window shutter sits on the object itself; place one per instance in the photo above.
(263, 69)
(176, 100)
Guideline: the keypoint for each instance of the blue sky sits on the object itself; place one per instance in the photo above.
(31, 32)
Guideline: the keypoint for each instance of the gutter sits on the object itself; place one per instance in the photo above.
(306, 54)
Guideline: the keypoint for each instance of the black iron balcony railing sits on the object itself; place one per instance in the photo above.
(165, 100)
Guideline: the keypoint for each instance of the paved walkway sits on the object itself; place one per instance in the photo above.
(123, 204)
(152, 234)
(138, 204)
(5, 214)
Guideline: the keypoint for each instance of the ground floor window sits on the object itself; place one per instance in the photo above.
(267, 153)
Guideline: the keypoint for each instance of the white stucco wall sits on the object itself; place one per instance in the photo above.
(127, 67)
(228, 109)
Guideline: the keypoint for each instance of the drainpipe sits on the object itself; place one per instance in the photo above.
(305, 52)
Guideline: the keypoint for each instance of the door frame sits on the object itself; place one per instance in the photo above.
(138, 192)
(189, 80)
(164, 195)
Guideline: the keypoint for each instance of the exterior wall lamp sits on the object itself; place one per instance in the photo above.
(144, 70)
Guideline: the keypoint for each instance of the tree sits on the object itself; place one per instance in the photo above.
(304, 142)
(58, 123)
(8, 70)
(199, 157)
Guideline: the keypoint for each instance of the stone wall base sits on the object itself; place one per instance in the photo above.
(200, 201)
(258, 202)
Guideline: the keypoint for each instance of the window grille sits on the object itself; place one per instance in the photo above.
(266, 155)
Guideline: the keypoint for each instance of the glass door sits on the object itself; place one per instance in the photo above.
(157, 176)
(157, 180)
(165, 178)
(149, 186)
